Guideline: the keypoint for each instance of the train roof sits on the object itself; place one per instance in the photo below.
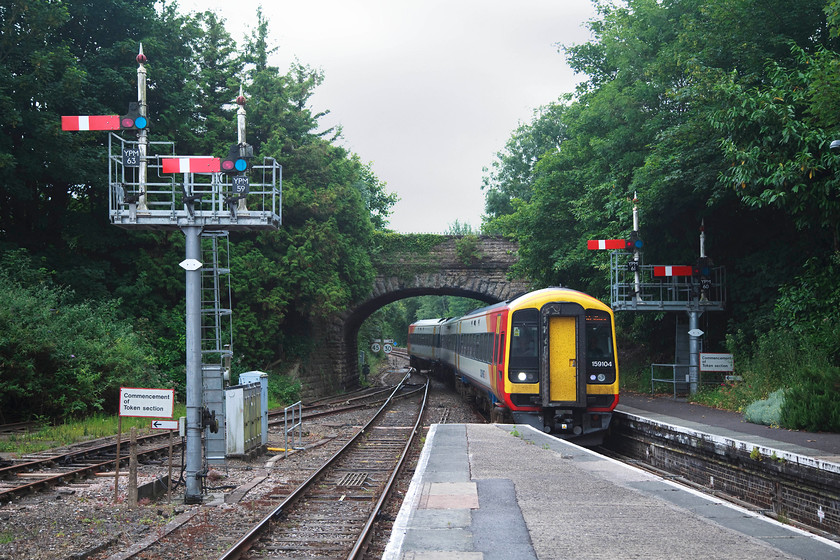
(531, 299)
(427, 322)
(539, 297)
(557, 294)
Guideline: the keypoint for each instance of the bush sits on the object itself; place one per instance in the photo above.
(767, 411)
(282, 390)
(812, 404)
(60, 358)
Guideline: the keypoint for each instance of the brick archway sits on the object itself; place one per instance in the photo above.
(475, 267)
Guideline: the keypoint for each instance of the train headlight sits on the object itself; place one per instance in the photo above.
(524, 376)
(602, 377)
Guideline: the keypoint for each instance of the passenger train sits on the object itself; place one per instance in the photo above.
(546, 358)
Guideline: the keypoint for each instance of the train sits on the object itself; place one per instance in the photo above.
(546, 358)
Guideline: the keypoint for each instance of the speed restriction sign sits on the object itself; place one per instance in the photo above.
(387, 348)
(374, 347)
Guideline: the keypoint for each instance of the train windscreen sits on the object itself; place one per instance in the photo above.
(524, 347)
(600, 355)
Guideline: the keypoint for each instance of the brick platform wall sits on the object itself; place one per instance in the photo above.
(791, 491)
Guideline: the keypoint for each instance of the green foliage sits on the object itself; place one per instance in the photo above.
(458, 228)
(387, 243)
(774, 139)
(812, 403)
(766, 411)
(405, 255)
(466, 248)
(434, 307)
(282, 391)
(75, 430)
(60, 358)
(734, 396)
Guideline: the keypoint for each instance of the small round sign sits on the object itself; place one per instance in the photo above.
(387, 348)
(374, 347)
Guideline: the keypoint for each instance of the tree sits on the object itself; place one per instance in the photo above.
(60, 358)
(775, 138)
(218, 76)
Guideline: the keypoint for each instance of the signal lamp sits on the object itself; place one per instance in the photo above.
(237, 160)
(133, 120)
(633, 242)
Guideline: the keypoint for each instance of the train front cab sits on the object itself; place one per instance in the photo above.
(564, 355)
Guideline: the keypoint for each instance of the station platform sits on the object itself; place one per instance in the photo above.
(488, 492)
(727, 424)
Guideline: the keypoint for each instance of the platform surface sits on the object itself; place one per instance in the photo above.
(819, 445)
(487, 492)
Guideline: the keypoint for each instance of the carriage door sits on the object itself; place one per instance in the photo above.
(562, 371)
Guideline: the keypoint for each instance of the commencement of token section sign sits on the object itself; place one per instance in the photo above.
(147, 403)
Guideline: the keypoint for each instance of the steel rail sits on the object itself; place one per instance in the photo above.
(362, 540)
(77, 454)
(51, 479)
(247, 541)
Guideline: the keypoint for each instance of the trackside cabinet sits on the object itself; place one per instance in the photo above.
(260, 377)
(244, 420)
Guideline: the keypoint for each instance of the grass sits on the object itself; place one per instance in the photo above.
(730, 395)
(75, 431)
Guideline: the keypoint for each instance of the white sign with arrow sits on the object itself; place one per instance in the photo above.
(164, 424)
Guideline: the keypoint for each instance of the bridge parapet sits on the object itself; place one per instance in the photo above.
(478, 266)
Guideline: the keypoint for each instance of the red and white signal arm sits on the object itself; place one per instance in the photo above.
(90, 122)
(672, 270)
(595, 244)
(191, 165)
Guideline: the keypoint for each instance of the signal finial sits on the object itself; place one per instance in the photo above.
(141, 58)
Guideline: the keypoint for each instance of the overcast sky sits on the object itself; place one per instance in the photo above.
(427, 90)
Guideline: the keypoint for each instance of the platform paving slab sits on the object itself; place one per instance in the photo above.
(541, 497)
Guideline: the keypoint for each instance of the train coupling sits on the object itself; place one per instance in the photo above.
(567, 424)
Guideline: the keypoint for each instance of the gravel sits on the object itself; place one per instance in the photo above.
(81, 521)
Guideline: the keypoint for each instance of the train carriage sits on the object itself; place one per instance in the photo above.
(423, 342)
(546, 359)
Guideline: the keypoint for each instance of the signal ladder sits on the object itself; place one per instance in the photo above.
(216, 335)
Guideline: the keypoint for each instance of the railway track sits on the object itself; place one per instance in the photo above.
(17, 428)
(365, 398)
(330, 515)
(49, 470)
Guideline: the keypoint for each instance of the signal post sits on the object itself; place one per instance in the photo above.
(693, 289)
(152, 188)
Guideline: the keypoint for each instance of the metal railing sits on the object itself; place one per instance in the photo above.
(170, 201)
(682, 380)
(296, 428)
(673, 379)
(662, 293)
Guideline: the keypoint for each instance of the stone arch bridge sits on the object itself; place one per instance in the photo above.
(469, 266)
